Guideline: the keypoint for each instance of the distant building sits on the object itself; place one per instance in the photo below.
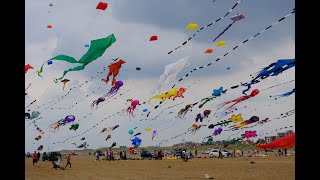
(270, 138)
(280, 135)
(122, 147)
(289, 132)
(261, 141)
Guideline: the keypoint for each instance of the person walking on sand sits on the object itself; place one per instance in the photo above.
(242, 153)
(97, 156)
(68, 161)
(220, 154)
(34, 158)
(120, 155)
(196, 153)
(38, 156)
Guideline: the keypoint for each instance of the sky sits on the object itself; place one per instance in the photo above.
(77, 22)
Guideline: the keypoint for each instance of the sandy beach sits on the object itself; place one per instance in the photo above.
(84, 167)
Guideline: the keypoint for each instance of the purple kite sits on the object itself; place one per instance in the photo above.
(154, 133)
(217, 131)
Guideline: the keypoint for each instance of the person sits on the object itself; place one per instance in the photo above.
(125, 155)
(97, 156)
(285, 151)
(196, 153)
(34, 158)
(191, 153)
(89, 153)
(57, 164)
(279, 152)
(234, 153)
(111, 155)
(220, 154)
(165, 153)
(38, 156)
(68, 161)
(120, 155)
(155, 155)
(242, 153)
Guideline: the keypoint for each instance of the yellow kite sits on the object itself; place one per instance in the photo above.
(192, 27)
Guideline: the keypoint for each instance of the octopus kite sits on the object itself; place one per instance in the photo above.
(240, 99)
(113, 91)
(55, 126)
(129, 111)
(184, 111)
(114, 70)
(205, 114)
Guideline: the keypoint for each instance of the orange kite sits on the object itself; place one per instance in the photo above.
(114, 70)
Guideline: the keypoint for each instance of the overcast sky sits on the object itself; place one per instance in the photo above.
(77, 22)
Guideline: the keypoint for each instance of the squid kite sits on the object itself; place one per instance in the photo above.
(184, 111)
(96, 50)
(114, 69)
(234, 19)
(55, 126)
(171, 71)
(273, 69)
(129, 111)
(113, 91)
(240, 99)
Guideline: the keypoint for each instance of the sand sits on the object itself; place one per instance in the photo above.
(84, 167)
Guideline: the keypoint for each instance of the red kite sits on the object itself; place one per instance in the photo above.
(153, 38)
(102, 6)
(209, 51)
(27, 67)
(49, 26)
(284, 142)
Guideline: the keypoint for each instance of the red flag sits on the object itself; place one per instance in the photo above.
(102, 6)
(208, 51)
(27, 67)
(154, 38)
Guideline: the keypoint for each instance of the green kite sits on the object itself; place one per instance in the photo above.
(96, 50)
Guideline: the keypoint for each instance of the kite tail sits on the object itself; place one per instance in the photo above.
(78, 68)
(224, 31)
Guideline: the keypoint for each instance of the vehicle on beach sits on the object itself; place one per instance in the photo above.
(146, 154)
(215, 153)
(51, 156)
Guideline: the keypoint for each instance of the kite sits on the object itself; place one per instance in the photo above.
(194, 128)
(205, 114)
(236, 119)
(87, 45)
(33, 115)
(234, 19)
(115, 127)
(74, 126)
(240, 99)
(153, 38)
(192, 27)
(51, 4)
(113, 145)
(273, 69)
(217, 131)
(108, 137)
(113, 91)
(284, 142)
(49, 26)
(55, 126)
(221, 123)
(83, 138)
(74, 143)
(102, 6)
(40, 148)
(216, 93)
(38, 138)
(209, 51)
(96, 50)
(172, 93)
(184, 111)
(233, 141)
(64, 82)
(138, 68)
(103, 130)
(131, 150)
(145, 110)
(49, 62)
(249, 134)
(129, 111)
(136, 142)
(154, 133)
(253, 119)
(171, 71)
(130, 131)
(228, 68)
(225, 113)
(27, 67)
(83, 145)
(139, 133)
(147, 129)
(220, 43)
(285, 94)
(114, 69)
